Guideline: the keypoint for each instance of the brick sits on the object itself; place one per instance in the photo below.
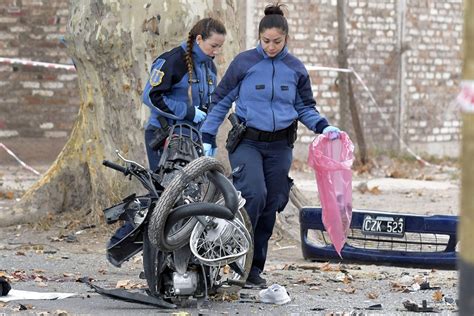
(43, 93)
(48, 125)
(30, 84)
(53, 85)
(55, 134)
(8, 133)
(8, 20)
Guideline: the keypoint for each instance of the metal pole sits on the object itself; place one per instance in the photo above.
(466, 227)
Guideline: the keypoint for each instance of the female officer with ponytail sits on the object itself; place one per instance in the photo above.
(272, 91)
(179, 89)
(181, 83)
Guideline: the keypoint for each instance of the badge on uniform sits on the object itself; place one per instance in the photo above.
(156, 75)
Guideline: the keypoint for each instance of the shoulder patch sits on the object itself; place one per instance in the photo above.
(156, 75)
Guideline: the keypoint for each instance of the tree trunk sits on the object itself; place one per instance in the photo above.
(348, 112)
(343, 77)
(358, 130)
(466, 233)
(113, 43)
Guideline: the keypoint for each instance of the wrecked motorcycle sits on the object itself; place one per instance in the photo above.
(191, 225)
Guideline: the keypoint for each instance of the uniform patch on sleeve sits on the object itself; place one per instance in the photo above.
(156, 75)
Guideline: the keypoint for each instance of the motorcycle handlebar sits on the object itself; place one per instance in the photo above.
(115, 166)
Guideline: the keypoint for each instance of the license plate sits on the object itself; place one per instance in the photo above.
(383, 225)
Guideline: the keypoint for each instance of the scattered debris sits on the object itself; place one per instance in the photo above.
(128, 284)
(15, 295)
(274, 294)
(414, 307)
(4, 287)
(375, 307)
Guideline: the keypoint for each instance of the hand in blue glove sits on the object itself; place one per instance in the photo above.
(209, 151)
(332, 131)
(199, 116)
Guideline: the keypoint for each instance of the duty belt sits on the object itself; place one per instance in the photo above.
(262, 136)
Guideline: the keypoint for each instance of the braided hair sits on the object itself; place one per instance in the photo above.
(205, 28)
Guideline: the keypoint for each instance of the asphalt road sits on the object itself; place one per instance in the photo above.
(41, 259)
(44, 261)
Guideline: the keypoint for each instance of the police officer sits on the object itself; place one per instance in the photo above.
(272, 91)
(179, 90)
(182, 81)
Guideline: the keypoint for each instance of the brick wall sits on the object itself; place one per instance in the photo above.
(35, 101)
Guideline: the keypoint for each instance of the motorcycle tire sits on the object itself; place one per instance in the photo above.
(238, 281)
(151, 266)
(156, 225)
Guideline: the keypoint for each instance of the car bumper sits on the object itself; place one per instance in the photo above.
(428, 241)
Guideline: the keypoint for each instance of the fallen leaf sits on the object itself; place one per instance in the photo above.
(127, 284)
(226, 269)
(328, 267)
(122, 284)
(138, 259)
(372, 295)
(302, 281)
(375, 190)
(61, 313)
(395, 286)
(349, 290)
(288, 267)
(325, 267)
(9, 195)
(438, 296)
(20, 253)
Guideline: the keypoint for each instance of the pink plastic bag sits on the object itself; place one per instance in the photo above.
(332, 161)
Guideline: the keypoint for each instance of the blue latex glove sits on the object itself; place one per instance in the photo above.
(209, 151)
(332, 131)
(199, 116)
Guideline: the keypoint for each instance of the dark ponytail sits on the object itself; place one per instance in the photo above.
(205, 28)
(274, 18)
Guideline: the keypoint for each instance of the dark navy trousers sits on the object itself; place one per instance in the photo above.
(260, 172)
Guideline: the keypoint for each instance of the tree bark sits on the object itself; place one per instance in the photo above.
(113, 43)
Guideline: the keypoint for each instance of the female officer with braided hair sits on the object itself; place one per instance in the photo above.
(179, 90)
(181, 82)
(272, 91)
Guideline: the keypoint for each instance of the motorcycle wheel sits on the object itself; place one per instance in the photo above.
(236, 281)
(180, 236)
(151, 266)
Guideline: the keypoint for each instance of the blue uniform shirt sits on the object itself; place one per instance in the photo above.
(269, 93)
(166, 92)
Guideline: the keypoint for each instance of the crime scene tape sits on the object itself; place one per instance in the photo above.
(36, 63)
(11, 153)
